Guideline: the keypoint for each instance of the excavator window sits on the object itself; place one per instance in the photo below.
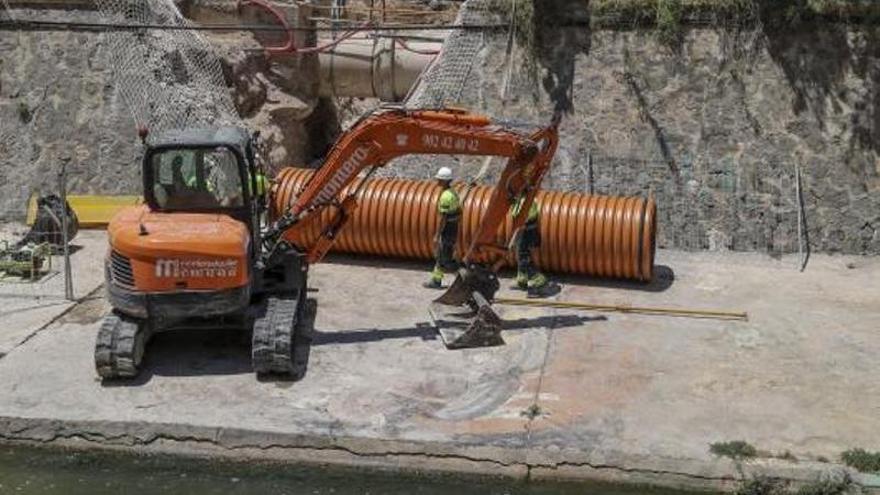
(196, 178)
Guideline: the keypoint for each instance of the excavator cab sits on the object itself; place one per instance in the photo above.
(203, 170)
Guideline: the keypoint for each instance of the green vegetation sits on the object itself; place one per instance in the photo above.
(787, 456)
(830, 484)
(532, 411)
(862, 460)
(647, 10)
(669, 14)
(669, 17)
(761, 485)
(736, 449)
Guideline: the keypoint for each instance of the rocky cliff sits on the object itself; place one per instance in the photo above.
(713, 127)
(59, 101)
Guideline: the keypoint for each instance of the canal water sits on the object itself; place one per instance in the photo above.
(32, 471)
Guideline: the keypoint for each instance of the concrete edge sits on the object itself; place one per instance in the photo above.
(50, 320)
(240, 444)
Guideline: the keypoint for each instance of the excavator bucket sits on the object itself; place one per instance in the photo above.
(464, 315)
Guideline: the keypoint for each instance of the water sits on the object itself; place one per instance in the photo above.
(31, 471)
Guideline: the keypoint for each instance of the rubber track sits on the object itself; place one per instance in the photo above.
(119, 348)
(272, 351)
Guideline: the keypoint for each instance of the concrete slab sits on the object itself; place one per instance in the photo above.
(27, 307)
(621, 397)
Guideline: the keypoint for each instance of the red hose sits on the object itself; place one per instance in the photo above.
(290, 45)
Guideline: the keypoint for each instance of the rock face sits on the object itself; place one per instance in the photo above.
(714, 128)
(59, 100)
(716, 131)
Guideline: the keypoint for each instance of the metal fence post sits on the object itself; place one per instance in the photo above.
(62, 186)
(590, 171)
(802, 232)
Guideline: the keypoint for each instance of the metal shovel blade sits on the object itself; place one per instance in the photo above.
(474, 278)
(464, 328)
(464, 315)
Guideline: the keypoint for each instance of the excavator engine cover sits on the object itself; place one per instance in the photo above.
(464, 315)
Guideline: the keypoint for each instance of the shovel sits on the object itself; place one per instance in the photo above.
(464, 314)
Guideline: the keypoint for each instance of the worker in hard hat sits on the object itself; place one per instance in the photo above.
(527, 239)
(449, 208)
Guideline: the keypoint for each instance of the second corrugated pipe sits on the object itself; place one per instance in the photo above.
(603, 236)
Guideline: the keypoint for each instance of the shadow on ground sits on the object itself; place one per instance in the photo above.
(663, 279)
(200, 352)
(222, 351)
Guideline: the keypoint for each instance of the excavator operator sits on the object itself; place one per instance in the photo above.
(449, 208)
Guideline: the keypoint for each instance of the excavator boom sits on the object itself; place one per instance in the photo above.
(386, 134)
(380, 137)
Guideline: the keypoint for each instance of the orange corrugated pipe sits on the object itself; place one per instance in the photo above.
(603, 236)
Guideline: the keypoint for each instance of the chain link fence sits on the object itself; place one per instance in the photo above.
(727, 210)
(35, 254)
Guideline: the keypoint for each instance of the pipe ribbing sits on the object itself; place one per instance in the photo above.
(592, 235)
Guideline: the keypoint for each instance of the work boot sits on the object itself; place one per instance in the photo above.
(538, 286)
(433, 284)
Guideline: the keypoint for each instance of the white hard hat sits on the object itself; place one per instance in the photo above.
(445, 173)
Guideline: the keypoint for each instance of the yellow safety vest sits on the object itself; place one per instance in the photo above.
(262, 184)
(449, 202)
(534, 210)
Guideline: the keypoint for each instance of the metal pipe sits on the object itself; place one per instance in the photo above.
(68, 276)
(374, 68)
(582, 234)
(686, 313)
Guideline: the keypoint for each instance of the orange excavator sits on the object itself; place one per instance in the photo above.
(196, 253)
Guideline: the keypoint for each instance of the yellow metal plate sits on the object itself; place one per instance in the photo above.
(92, 210)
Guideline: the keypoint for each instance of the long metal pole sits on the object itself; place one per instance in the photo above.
(686, 313)
(590, 171)
(68, 280)
(803, 233)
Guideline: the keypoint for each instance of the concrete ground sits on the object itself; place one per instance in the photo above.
(29, 306)
(612, 396)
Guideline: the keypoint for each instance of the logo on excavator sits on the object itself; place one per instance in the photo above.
(345, 172)
(450, 143)
(177, 268)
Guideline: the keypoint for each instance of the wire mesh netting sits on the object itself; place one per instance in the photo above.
(728, 211)
(443, 81)
(167, 78)
(5, 10)
(729, 208)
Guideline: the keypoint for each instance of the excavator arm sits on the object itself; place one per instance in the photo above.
(380, 137)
